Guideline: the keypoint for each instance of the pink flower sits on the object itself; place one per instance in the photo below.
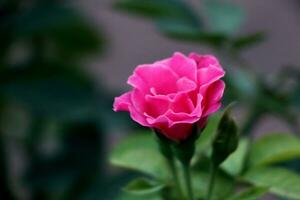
(172, 94)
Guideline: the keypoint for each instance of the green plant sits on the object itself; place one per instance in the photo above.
(249, 172)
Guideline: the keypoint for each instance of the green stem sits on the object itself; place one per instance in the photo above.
(172, 166)
(188, 183)
(213, 172)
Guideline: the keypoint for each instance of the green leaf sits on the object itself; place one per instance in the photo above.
(244, 83)
(250, 194)
(248, 40)
(295, 96)
(274, 148)
(226, 140)
(157, 9)
(224, 185)
(178, 29)
(77, 160)
(38, 19)
(174, 18)
(53, 91)
(142, 186)
(126, 196)
(208, 134)
(234, 164)
(280, 181)
(59, 25)
(223, 16)
(140, 152)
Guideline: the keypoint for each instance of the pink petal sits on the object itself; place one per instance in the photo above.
(185, 85)
(216, 91)
(156, 105)
(212, 109)
(180, 118)
(213, 97)
(183, 66)
(138, 100)
(209, 75)
(177, 132)
(198, 108)
(204, 60)
(154, 75)
(122, 102)
(137, 82)
(182, 104)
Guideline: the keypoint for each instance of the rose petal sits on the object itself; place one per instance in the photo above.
(204, 60)
(173, 94)
(209, 75)
(178, 131)
(156, 105)
(212, 109)
(154, 76)
(213, 97)
(138, 100)
(123, 103)
(185, 85)
(179, 118)
(198, 108)
(182, 104)
(183, 66)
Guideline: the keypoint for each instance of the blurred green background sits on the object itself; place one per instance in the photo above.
(62, 62)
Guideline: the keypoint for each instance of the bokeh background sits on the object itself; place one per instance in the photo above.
(62, 63)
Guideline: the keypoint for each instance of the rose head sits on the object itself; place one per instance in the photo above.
(172, 94)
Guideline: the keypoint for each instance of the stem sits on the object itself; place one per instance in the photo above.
(172, 166)
(166, 151)
(213, 172)
(188, 183)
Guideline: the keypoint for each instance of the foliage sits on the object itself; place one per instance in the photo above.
(239, 168)
(42, 79)
(268, 164)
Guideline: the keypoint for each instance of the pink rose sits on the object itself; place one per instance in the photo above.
(172, 94)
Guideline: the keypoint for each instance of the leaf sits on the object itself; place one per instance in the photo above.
(280, 181)
(234, 164)
(244, 83)
(76, 162)
(250, 194)
(187, 32)
(224, 17)
(142, 186)
(248, 40)
(134, 197)
(295, 96)
(52, 91)
(226, 140)
(178, 29)
(157, 9)
(140, 152)
(208, 134)
(173, 18)
(60, 26)
(223, 187)
(274, 148)
(38, 19)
